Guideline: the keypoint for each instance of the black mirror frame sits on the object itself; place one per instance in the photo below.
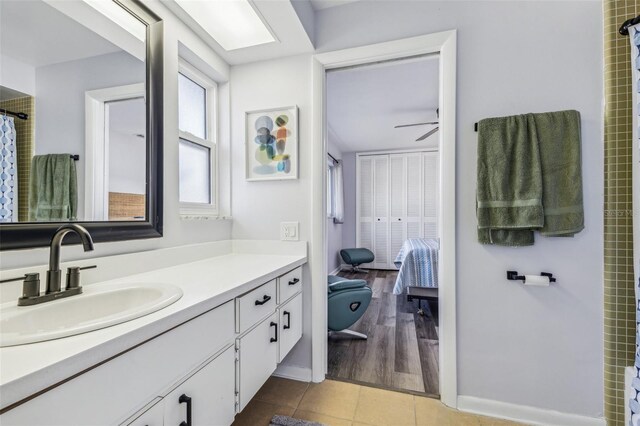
(15, 236)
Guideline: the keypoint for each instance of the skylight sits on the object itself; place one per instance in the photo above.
(234, 24)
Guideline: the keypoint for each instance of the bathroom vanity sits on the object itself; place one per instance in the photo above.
(198, 361)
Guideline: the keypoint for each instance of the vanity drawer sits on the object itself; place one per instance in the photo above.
(289, 284)
(255, 305)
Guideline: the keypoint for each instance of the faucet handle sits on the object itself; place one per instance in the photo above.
(31, 285)
(73, 276)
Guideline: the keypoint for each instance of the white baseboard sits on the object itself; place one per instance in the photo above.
(335, 271)
(524, 413)
(301, 374)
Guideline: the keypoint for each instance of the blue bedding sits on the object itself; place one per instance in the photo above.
(418, 263)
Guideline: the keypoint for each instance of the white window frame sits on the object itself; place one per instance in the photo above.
(210, 141)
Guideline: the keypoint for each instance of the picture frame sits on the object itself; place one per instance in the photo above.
(271, 144)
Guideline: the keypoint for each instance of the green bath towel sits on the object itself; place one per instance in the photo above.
(53, 188)
(560, 157)
(529, 177)
(509, 192)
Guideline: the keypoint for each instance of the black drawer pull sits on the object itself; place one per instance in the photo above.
(264, 300)
(288, 324)
(186, 399)
(275, 327)
(294, 281)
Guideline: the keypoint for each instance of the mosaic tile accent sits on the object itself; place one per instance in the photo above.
(25, 141)
(619, 296)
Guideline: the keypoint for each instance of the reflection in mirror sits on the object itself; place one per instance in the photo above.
(73, 125)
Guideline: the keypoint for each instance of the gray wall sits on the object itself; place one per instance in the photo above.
(349, 174)
(60, 102)
(540, 347)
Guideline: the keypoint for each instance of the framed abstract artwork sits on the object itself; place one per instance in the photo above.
(271, 145)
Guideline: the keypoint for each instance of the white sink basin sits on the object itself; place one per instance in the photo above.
(99, 306)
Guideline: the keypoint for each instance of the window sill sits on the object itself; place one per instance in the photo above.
(203, 216)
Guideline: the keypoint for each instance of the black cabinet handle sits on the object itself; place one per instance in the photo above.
(264, 300)
(288, 325)
(186, 399)
(294, 281)
(275, 327)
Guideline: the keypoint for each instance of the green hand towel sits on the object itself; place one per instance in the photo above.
(560, 157)
(509, 186)
(53, 188)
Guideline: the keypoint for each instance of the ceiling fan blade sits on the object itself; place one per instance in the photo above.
(415, 124)
(426, 135)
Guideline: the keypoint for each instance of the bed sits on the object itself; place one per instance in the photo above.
(418, 263)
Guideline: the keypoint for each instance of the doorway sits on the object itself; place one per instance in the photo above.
(443, 44)
(382, 134)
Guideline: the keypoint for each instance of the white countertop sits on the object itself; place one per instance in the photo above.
(27, 369)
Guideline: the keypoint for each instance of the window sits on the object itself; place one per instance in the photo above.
(197, 142)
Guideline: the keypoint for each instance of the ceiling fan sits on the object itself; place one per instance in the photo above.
(429, 133)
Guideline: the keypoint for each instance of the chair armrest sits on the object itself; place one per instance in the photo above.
(347, 284)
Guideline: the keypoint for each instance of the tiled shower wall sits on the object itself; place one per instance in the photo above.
(25, 142)
(619, 297)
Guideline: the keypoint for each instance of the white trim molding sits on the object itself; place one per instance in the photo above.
(301, 374)
(524, 413)
(444, 45)
(96, 149)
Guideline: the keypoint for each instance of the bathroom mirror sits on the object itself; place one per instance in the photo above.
(80, 120)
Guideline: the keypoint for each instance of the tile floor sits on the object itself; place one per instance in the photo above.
(336, 403)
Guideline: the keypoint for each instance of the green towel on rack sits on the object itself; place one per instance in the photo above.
(529, 177)
(509, 191)
(560, 157)
(53, 188)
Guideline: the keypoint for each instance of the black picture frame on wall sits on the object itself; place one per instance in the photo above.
(14, 236)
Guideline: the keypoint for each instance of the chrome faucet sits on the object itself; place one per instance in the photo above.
(54, 274)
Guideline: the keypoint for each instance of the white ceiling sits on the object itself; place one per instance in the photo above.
(325, 4)
(365, 103)
(37, 34)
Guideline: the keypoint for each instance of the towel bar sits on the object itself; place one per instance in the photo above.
(513, 276)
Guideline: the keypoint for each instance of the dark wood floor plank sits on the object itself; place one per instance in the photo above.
(407, 359)
(430, 367)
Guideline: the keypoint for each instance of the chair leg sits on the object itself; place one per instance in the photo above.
(351, 333)
(356, 269)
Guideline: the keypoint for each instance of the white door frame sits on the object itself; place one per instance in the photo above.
(443, 43)
(96, 149)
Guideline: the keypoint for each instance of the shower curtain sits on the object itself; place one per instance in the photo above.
(634, 37)
(8, 170)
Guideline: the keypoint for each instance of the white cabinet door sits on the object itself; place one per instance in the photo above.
(290, 325)
(258, 352)
(431, 194)
(381, 211)
(364, 231)
(209, 395)
(414, 196)
(397, 204)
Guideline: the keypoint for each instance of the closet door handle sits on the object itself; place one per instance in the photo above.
(275, 327)
(264, 300)
(399, 219)
(294, 281)
(288, 325)
(186, 399)
(378, 219)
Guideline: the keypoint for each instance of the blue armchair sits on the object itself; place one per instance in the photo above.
(347, 302)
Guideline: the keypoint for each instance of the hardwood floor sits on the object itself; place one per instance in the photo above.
(402, 349)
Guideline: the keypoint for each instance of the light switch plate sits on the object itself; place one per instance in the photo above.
(289, 231)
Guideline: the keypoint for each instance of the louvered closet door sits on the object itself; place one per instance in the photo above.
(397, 205)
(381, 211)
(414, 193)
(430, 166)
(365, 204)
